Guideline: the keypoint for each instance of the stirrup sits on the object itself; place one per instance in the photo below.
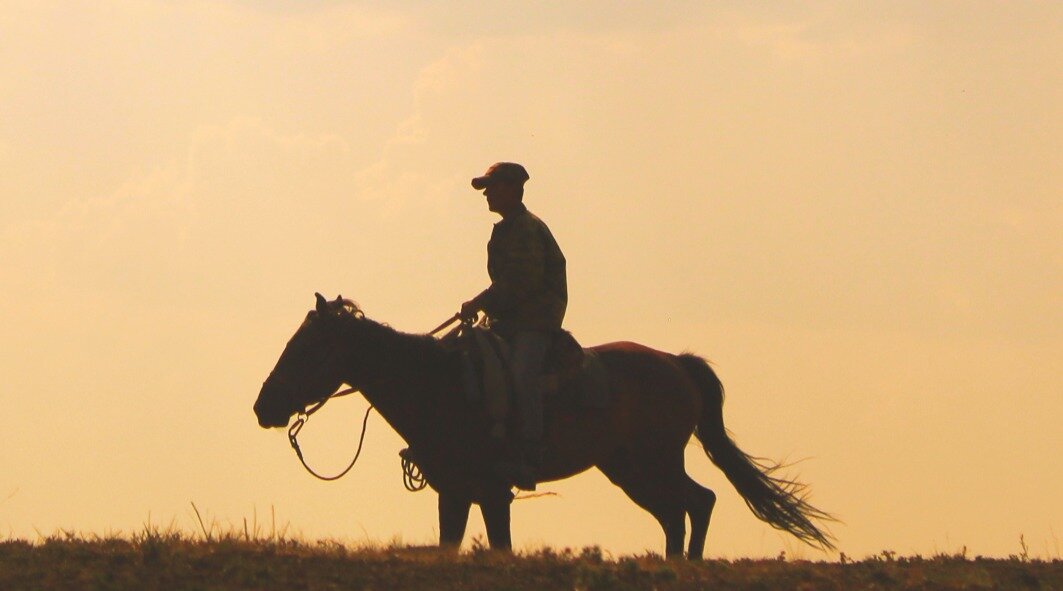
(520, 475)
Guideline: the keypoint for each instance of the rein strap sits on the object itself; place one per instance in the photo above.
(412, 477)
(293, 433)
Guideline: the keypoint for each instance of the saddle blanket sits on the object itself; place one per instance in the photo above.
(573, 375)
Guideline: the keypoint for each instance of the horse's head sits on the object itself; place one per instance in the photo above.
(311, 368)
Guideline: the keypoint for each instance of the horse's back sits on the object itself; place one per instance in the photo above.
(626, 360)
(651, 392)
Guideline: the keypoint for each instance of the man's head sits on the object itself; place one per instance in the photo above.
(503, 185)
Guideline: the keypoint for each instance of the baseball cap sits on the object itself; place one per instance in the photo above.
(501, 171)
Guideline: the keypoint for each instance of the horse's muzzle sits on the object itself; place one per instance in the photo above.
(269, 411)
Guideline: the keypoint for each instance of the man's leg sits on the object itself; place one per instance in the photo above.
(527, 354)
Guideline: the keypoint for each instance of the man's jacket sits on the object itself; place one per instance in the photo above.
(529, 288)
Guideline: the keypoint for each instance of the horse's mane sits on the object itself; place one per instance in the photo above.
(401, 346)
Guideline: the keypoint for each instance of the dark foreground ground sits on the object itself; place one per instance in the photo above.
(153, 561)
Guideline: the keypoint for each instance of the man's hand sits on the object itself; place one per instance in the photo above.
(469, 310)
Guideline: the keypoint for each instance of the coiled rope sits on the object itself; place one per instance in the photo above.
(412, 478)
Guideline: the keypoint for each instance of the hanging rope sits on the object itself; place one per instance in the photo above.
(412, 478)
(293, 433)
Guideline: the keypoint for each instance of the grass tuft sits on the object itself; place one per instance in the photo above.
(266, 556)
(218, 559)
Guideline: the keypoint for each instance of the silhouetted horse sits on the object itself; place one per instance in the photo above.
(658, 400)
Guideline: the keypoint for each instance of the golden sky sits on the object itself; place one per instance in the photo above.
(852, 209)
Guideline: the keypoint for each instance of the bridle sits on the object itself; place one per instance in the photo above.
(300, 421)
(304, 415)
(412, 477)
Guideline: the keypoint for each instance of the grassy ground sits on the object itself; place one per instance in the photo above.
(154, 560)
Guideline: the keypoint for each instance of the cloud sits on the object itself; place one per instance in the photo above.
(739, 110)
(823, 34)
(326, 26)
(245, 197)
(415, 165)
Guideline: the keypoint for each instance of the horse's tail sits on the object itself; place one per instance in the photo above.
(781, 502)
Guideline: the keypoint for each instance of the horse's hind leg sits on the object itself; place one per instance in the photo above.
(672, 518)
(657, 485)
(699, 504)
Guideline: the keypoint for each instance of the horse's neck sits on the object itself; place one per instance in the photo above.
(410, 375)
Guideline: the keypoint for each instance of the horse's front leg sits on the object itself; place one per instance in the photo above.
(453, 516)
(496, 520)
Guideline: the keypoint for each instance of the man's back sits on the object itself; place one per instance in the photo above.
(528, 275)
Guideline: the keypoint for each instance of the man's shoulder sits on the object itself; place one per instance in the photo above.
(533, 226)
(531, 220)
(522, 227)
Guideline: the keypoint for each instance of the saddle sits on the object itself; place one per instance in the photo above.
(572, 375)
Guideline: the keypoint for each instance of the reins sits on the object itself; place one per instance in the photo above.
(411, 475)
(449, 321)
(293, 433)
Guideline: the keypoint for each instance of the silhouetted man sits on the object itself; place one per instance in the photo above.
(525, 302)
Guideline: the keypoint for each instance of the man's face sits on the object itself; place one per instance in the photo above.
(502, 196)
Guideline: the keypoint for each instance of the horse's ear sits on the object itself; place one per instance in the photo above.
(339, 298)
(322, 305)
